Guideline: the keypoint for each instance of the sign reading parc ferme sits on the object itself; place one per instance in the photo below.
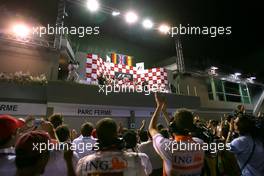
(76, 110)
(102, 112)
(12, 108)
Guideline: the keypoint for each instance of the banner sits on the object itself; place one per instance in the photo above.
(12, 108)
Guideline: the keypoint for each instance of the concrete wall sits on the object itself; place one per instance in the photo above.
(36, 60)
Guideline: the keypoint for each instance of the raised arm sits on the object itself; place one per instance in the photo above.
(165, 113)
(143, 123)
(153, 122)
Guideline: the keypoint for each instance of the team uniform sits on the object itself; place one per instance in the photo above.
(188, 162)
(114, 163)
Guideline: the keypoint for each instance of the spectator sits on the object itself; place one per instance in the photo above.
(57, 164)
(248, 147)
(156, 161)
(143, 136)
(180, 127)
(85, 140)
(110, 159)
(8, 133)
(165, 133)
(63, 133)
(56, 120)
(48, 127)
(31, 162)
(130, 138)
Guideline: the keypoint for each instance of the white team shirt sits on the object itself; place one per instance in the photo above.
(148, 149)
(185, 162)
(114, 163)
(84, 146)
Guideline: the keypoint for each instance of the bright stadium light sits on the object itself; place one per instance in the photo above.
(147, 23)
(214, 68)
(115, 13)
(93, 5)
(164, 29)
(238, 74)
(131, 17)
(21, 30)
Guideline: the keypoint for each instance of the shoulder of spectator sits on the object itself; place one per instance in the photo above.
(240, 144)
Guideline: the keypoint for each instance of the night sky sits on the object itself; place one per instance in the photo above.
(242, 51)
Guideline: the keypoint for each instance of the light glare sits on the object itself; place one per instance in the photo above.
(131, 17)
(115, 13)
(93, 5)
(21, 30)
(164, 28)
(148, 24)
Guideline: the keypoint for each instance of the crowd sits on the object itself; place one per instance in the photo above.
(30, 146)
(22, 78)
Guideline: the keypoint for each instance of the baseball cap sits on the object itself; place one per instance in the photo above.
(26, 154)
(8, 125)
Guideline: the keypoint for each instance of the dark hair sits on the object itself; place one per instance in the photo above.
(86, 129)
(214, 123)
(56, 120)
(143, 135)
(182, 122)
(165, 133)
(160, 126)
(229, 117)
(246, 125)
(106, 130)
(63, 133)
(130, 138)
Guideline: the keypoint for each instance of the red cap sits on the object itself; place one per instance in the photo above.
(9, 125)
(25, 144)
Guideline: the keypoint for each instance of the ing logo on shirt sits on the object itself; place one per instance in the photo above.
(115, 163)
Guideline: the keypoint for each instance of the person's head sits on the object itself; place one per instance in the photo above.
(160, 126)
(29, 160)
(63, 133)
(130, 138)
(47, 127)
(245, 125)
(214, 123)
(241, 108)
(87, 129)
(143, 136)
(56, 120)
(165, 133)
(182, 122)
(8, 130)
(229, 117)
(106, 130)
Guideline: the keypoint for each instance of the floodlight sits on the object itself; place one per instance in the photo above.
(147, 23)
(93, 5)
(21, 30)
(164, 28)
(115, 13)
(131, 17)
